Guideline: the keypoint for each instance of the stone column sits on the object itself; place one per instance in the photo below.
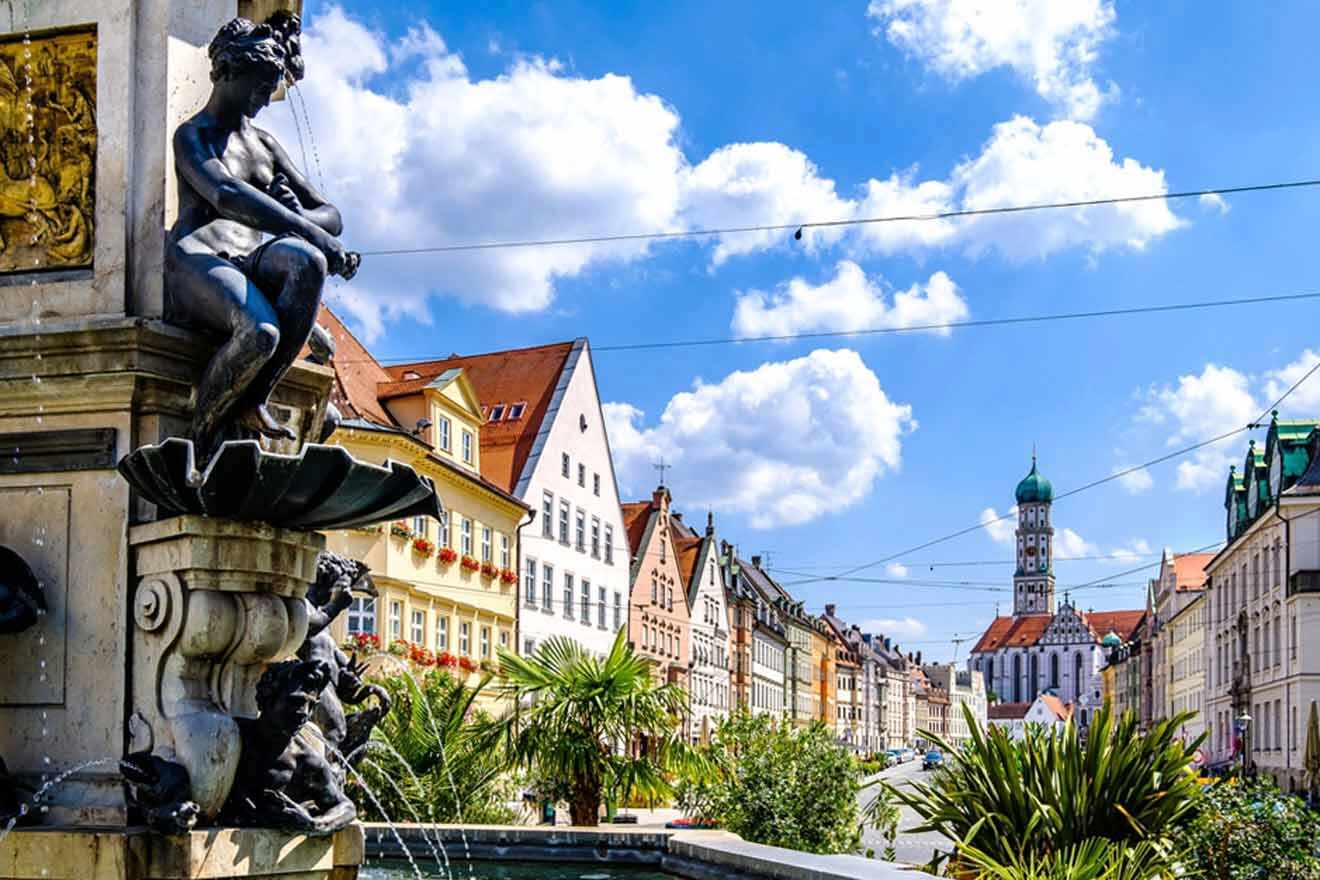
(214, 602)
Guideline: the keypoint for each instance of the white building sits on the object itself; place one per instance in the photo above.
(965, 688)
(1046, 711)
(1263, 595)
(544, 441)
(1041, 648)
(703, 578)
(754, 596)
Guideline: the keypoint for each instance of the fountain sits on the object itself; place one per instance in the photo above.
(162, 479)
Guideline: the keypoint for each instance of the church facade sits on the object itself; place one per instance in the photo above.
(1045, 647)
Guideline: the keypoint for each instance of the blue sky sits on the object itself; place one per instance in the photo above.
(438, 123)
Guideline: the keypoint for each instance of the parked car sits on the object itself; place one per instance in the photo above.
(932, 759)
(895, 756)
(909, 755)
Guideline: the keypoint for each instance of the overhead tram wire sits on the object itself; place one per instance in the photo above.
(1255, 423)
(828, 224)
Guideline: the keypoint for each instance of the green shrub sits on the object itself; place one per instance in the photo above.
(1028, 799)
(423, 763)
(1092, 859)
(1244, 831)
(783, 786)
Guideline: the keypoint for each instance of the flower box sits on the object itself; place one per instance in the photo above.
(466, 664)
(508, 576)
(489, 569)
(470, 564)
(362, 642)
(420, 656)
(423, 547)
(400, 530)
(399, 648)
(446, 659)
(448, 556)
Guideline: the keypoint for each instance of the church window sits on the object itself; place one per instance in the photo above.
(1054, 671)
(1017, 678)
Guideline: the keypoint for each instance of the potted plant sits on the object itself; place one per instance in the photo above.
(489, 570)
(469, 563)
(446, 659)
(399, 648)
(508, 577)
(400, 530)
(422, 546)
(363, 641)
(466, 664)
(448, 556)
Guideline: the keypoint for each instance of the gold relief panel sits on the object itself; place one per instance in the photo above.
(47, 151)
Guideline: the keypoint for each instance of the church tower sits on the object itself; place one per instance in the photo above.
(1033, 583)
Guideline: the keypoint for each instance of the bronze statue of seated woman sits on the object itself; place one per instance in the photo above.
(254, 242)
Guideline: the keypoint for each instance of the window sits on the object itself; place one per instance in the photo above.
(516, 410)
(563, 521)
(485, 643)
(396, 620)
(442, 633)
(586, 602)
(419, 627)
(445, 539)
(595, 485)
(465, 638)
(671, 599)
(443, 430)
(529, 582)
(600, 609)
(487, 550)
(582, 475)
(504, 640)
(580, 530)
(662, 548)
(467, 447)
(419, 526)
(547, 515)
(609, 545)
(466, 544)
(568, 596)
(496, 412)
(547, 586)
(655, 586)
(506, 553)
(595, 537)
(529, 647)
(362, 615)
(618, 610)
(564, 466)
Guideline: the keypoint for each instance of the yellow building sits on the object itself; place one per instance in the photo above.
(822, 670)
(449, 587)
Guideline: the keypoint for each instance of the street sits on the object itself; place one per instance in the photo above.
(912, 849)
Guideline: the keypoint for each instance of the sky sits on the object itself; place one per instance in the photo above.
(434, 124)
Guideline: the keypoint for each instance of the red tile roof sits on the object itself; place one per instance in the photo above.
(1007, 711)
(1063, 711)
(1026, 629)
(1189, 571)
(687, 550)
(636, 514)
(356, 374)
(523, 375)
(1123, 623)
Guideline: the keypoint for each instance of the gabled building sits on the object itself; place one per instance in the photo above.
(1041, 647)
(703, 580)
(1263, 599)
(823, 646)
(447, 587)
(760, 641)
(963, 688)
(801, 691)
(543, 441)
(1176, 625)
(659, 619)
(1046, 710)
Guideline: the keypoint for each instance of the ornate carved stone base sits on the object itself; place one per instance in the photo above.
(215, 601)
(209, 854)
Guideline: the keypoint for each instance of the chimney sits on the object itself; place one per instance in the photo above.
(829, 608)
(710, 523)
(660, 498)
(918, 658)
(756, 560)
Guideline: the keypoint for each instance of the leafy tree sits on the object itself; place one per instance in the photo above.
(1051, 791)
(1244, 831)
(785, 786)
(593, 725)
(424, 762)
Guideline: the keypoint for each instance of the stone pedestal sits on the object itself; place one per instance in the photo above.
(215, 601)
(214, 854)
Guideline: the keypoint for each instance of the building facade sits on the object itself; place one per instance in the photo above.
(1263, 603)
(963, 689)
(659, 620)
(543, 440)
(769, 639)
(1176, 627)
(1041, 647)
(710, 696)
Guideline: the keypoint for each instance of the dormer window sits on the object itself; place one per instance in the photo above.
(411, 374)
(516, 410)
(496, 412)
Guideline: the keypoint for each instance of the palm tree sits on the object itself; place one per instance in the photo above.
(593, 725)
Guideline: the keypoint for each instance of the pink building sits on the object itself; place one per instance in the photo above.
(658, 614)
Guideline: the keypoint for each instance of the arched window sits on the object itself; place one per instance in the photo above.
(1017, 678)
(1054, 671)
(1033, 684)
(990, 673)
(1077, 676)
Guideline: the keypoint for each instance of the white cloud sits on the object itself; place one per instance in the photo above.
(896, 570)
(1051, 43)
(1196, 408)
(419, 153)
(1214, 202)
(1135, 482)
(1069, 544)
(894, 627)
(738, 445)
(849, 301)
(1001, 530)
(1305, 401)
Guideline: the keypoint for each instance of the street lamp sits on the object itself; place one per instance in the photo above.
(1243, 725)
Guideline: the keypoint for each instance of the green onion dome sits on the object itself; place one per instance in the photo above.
(1034, 488)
